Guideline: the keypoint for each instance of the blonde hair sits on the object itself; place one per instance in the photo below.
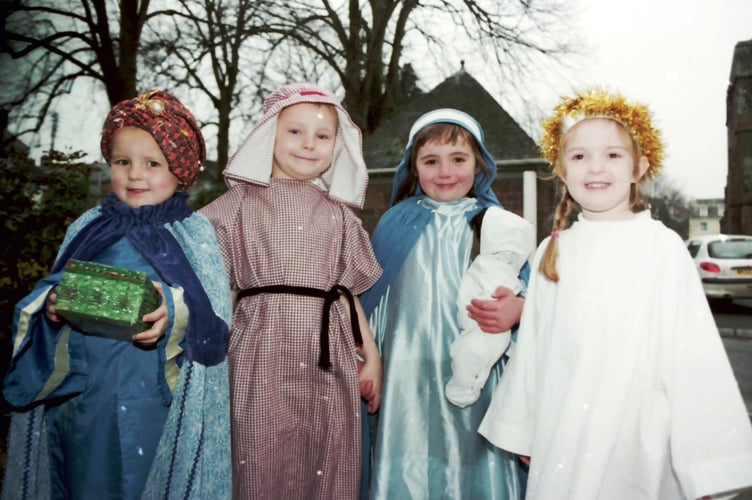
(636, 122)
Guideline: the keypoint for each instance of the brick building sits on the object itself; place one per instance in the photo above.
(519, 166)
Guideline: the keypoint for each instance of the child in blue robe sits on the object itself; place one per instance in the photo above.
(426, 447)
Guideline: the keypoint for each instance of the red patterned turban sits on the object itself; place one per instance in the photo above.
(172, 126)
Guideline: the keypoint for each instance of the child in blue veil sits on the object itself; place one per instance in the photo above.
(425, 447)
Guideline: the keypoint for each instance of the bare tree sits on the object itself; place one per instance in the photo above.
(366, 43)
(229, 53)
(668, 204)
(49, 44)
(214, 48)
(235, 52)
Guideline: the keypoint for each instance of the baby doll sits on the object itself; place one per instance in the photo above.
(506, 241)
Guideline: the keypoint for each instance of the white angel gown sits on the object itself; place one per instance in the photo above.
(619, 386)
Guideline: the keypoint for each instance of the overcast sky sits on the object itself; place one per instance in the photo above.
(675, 57)
(672, 55)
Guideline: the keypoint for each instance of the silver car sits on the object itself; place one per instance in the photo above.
(724, 263)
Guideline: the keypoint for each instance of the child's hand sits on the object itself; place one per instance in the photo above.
(369, 372)
(498, 314)
(369, 375)
(51, 307)
(159, 319)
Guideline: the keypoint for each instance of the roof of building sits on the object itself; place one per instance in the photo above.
(505, 139)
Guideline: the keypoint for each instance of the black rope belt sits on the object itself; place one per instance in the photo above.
(329, 297)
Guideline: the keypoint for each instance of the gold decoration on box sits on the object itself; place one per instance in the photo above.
(104, 300)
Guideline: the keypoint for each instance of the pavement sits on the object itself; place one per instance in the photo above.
(735, 332)
(734, 319)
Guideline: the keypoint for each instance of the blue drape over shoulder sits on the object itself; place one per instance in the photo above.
(171, 402)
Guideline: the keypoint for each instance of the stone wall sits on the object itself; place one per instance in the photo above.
(738, 214)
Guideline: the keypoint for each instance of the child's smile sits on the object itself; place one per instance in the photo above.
(446, 171)
(599, 165)
(304, 142)
(140, 173)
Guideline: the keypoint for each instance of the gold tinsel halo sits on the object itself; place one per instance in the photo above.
(599, 103)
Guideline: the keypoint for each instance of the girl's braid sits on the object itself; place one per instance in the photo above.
(547, 265)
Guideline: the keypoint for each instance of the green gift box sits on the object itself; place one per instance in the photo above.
(104, 300)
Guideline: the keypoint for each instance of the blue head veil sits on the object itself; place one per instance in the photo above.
(484, 178)
(401, 226)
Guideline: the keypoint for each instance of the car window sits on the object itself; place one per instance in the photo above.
(693, 247)
(730, 249)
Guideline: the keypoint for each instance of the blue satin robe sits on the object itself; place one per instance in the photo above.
(425, 446)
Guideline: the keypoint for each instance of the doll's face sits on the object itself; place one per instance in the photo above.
(446, 171)
(600, 167)
(139, 171)
(304, 142)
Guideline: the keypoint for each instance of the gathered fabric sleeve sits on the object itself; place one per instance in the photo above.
(47, 359)
(224, 215)
(518, 391)
(710, 432)
(361, 269)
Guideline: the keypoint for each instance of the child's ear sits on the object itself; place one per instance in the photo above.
(559, 172)
(642, 166)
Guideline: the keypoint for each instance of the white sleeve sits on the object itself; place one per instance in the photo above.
(710, 431)
(511, 416)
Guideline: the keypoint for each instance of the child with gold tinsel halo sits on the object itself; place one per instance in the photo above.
(619, 385)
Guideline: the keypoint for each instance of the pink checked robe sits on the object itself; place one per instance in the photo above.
(295, 427)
